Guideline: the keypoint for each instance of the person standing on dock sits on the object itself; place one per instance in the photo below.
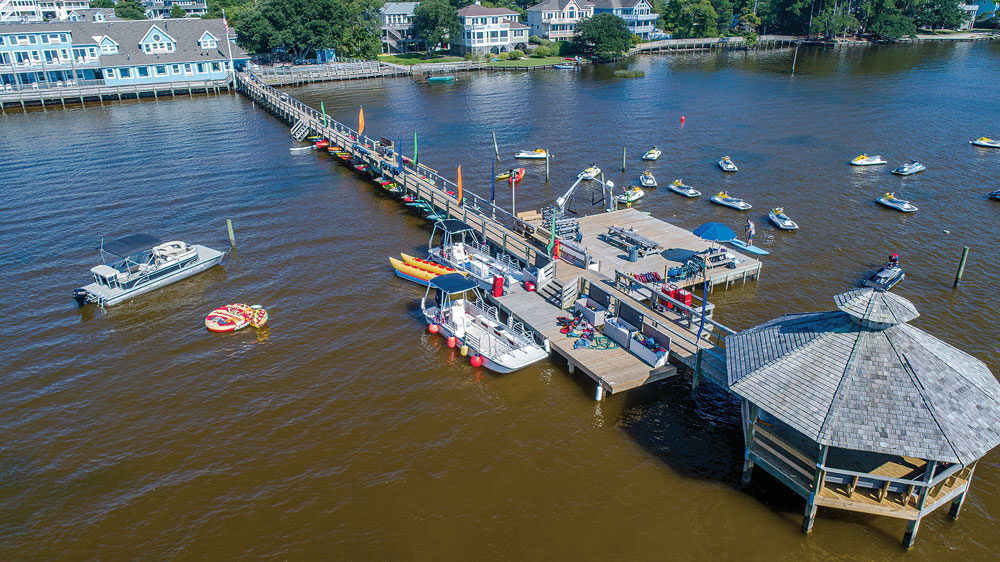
(750, 232)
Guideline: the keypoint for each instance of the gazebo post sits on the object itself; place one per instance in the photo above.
(912, 527)
(818, 479)
(750, 415)
(956, 504)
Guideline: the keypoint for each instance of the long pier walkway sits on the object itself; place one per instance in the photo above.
(559, 282)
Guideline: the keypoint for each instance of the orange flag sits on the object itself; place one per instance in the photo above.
(361, 121)
(459, 194)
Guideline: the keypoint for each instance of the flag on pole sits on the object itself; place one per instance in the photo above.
(493, 184)
(322, 109)
(459, 194)
(361, 121)
(415, 159)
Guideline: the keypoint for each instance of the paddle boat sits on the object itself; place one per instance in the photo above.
(460, 248)
(727, 164)
(461, 314)
(418, 270)
(723, 198)
(781, 220)
(985, 142)
(564, 66)
(647, 179)
(677, 186)
(887, 276)
(441, 79)
(652, 154)
(890, 200)
(235, 316)
(995, 195)
(631, 195)
(537, 154)
(140, 264)
(590, 173)
(518, 175)
(865, 160)
(910, 168)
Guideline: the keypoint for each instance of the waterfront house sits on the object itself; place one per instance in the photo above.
(160, 9)
(489, 31)
(13, 11)
(986, 9)
(638, 14)
(397, 28)
(92, 14)
(970, 9)
(60, 9)
(556, 20)
(120, 52)
(856, 410)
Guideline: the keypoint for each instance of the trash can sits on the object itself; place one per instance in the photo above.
(633, 254)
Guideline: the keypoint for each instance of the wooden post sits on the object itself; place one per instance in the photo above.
(232, 237)
(912, 527)
(546, 165)
(795, 58)
(624, 149)
(961, 267)
(956, 504)
(749, 415)
(820, 476)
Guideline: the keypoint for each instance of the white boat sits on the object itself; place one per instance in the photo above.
(865, 160)
(994, 195)
(647, 179)
(299, 148)
(460, 248)
(781, 220)
(591, 172)
(677, 186)
(631, 195)
(537, 154)
(142, 264)
(460, 311)
(887, 277)
(910, 168)
(890, 200)
(727, 164)
(652, 154)
(723, 198)
(986, 142)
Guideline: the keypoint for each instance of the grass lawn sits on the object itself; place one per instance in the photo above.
(417, 58)
(530, 61)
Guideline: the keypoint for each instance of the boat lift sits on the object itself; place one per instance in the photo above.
(607, 188)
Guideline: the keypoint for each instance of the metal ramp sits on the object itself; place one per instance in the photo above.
(300, 130)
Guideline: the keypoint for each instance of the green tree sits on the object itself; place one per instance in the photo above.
(235, 9)
(130, 10)
(747, 26)
(102, 4)
(937, 14)
(602, 37)
(435, 21)
(542, 51)
(724, 15)
(691, 18)
(786, 16)
(884, 20)
(832, 21)
(300, 27)
(177, 12)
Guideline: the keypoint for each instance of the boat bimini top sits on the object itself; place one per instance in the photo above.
(453, 283)
(127, 245)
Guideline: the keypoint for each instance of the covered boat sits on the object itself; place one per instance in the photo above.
(461, 249)
(459, 311)
(887, 277)
(517, 174)
(781, 220)
(537, 154)
(677, 186)
(865, 160)
(910, 168)
(647, 179)
(727, 165)
(235, 316)
(591, 172)
(986, 142)
(723, 198)
(995, 195)
(890, 200)
(631, 195)
(141, 263)
(441, 79)
(652, 154)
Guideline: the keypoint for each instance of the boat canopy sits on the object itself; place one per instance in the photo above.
(453, 226)
(453, 283)
(128, 245)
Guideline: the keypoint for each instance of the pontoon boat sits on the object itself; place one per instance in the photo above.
(652, 154)
(865, 160)
(647, 179)
(461, 249)
(890, 200)
(781, 220)
(723, 198)
(678, 186)
(141, 264)
(727, 164)
(460, 311)
(910, 168)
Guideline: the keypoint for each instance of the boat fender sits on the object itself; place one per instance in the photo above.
(464, 350)
(452, 341)
(476, 360)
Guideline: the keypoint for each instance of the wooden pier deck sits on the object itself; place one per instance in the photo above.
(99, 93)
(559, 282)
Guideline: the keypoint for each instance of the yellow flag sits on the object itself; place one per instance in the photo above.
(459, 194)
(361, 121)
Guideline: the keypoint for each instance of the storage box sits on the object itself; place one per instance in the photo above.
(619, 330)
(650, 357)
(591, 311)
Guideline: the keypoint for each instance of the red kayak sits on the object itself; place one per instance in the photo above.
(518, 175)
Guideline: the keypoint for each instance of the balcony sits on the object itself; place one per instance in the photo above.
(54, 65)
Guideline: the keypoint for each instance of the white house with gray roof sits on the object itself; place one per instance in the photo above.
(120, 52)
(638, 14)
(556, 20)
(489, 31)
(397, 28)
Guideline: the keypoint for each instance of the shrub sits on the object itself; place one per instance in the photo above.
(535, 40)
(543, 51)
(502, 56)
(516, 54)
(469, 56)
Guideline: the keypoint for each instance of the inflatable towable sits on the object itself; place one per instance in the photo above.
(234, 317)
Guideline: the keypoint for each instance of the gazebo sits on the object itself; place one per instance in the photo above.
(855, 409)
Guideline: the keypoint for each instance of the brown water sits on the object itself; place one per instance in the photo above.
(345, 431)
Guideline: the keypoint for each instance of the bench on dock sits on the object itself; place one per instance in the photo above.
(629, 238)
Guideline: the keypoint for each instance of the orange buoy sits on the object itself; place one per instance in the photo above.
(476, 360)
(683, 119)
(433, 328)
(452, 341)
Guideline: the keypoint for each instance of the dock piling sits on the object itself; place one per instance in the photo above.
(546, 166)
(961, 267)
(624, 149)
(232, 237)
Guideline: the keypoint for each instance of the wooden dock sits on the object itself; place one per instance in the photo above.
(99, 93)
(559, 282)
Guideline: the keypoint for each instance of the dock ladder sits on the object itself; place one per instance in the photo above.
(300, 129)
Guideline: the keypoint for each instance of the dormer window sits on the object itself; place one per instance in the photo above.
(208, 41)
(156, 41)
(98, 17)
(108, 46)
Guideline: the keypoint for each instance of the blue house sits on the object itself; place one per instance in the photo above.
(119, 52)
(638, 14)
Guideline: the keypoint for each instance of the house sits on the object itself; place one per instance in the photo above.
(120, 52)
(60, 9)
(638, 14)
(987, 8)
(489, 30)
(970, 16)
(556, 20)
(92, 14)
(13, 11)
(160, 9)
(397, 28)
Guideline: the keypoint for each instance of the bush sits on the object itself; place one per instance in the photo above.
(543, 51)
(535, 40)
(469, 56)
(502, 56)
(516, 54)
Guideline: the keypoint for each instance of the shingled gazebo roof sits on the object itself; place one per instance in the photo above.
(862, 379)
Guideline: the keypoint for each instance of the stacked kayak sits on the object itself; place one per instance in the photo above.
(418, 270)
(234, 317)
(517, 174)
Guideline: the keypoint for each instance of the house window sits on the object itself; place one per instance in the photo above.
(143, 71)
(177, 69)
(161, 70)
(216, 67)
(124, 73)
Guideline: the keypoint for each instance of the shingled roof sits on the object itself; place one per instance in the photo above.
(863, 379)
